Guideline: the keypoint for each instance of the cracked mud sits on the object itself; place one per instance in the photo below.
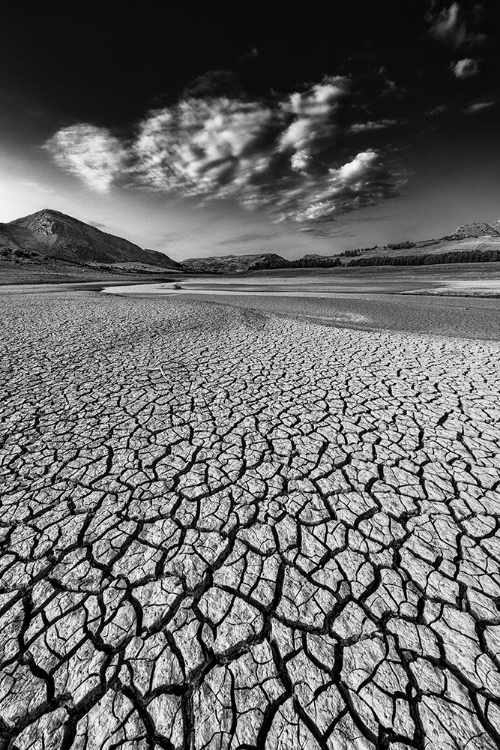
(227, 530)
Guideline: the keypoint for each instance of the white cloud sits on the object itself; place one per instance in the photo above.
(466, 68)
(312, 125)
(36, 186)
(357, 169)
(439, 110)
(280, 155)
(198, 146)
(472, 109)
(361, 127)
(449, 27)
(358, 183)
(89, 152)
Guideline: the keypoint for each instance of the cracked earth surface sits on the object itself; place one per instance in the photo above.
(226, 530)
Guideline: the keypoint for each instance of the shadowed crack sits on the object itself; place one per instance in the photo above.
(226, 531)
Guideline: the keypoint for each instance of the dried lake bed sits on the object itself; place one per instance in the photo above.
(249, 520)
(459, 300)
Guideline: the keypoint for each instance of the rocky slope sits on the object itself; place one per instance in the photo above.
(50, 234)
(478, 229)
(235, 263)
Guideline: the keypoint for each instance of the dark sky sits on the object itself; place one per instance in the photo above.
(300, 129)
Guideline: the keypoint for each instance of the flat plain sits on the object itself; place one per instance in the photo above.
(249, 521)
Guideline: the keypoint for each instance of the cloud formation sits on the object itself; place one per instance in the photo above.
(449, 26)
(361, 127)
(358, 183)
(282, 155)
(472, 109)
(466, 68)
(89, 152)
(439, 110)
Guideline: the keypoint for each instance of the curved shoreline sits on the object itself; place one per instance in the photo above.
(462, 317)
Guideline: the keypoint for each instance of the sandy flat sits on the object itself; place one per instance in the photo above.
(228, 528)
(472, 278)
(395, 301)
(468, 287)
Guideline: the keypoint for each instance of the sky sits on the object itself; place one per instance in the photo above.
(205, 130)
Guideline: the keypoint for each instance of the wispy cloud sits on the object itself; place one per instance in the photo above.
(466, 68)
(439, 110)
(449, 26)
(248, 237)
(98, 225)
(361, 127)
(472, 109)
(36, 186)
(280, 154)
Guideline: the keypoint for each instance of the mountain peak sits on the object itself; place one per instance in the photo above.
(59, 236)
(44, 221)
(43, 212)
(50, 211)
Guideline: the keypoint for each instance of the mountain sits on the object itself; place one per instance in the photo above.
(477, 241)
(51, 245)
(478, 229)
(235, 263)
(52, 235)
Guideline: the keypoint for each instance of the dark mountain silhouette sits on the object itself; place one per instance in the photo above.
(50, 234)
(235, 263)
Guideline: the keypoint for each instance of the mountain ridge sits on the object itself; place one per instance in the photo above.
(235, 263)
(50, 237)
(52, 234)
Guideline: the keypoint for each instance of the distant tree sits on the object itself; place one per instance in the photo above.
(316, 262)
(400, 245)
(466, 256)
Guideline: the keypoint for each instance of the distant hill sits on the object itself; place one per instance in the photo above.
(451, 249)
(51, 235)
(235, 263)
(477, 229)
(469, 243)
(243, 263)
(51, 244)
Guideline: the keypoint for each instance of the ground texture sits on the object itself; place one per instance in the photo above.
(227, 530)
